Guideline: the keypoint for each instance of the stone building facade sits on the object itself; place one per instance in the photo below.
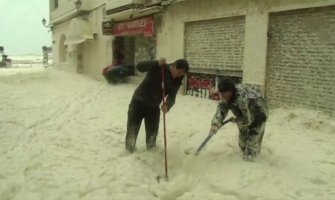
(283, 48)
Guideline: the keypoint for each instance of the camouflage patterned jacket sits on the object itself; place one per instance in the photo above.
(247, 105)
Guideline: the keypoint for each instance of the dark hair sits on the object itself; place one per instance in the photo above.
(182, 64)
(226, 85)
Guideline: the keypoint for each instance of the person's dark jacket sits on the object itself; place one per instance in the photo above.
(150, 92)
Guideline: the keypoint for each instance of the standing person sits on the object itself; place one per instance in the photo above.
(148, 97)
(250, 110)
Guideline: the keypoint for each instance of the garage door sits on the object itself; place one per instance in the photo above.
(215, 44)
(301, 59)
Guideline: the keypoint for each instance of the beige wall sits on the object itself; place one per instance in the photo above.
(170, 37)
(95, 54)
(66, 8)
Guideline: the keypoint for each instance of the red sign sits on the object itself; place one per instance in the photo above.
(200, 85)
(141, 26)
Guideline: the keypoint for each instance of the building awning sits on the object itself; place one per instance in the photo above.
(79, 31)
(133, 13)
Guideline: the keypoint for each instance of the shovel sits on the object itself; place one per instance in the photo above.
(210, 135)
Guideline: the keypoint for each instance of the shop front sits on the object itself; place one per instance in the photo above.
(133, 40)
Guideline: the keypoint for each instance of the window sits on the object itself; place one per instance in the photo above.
(53, 4)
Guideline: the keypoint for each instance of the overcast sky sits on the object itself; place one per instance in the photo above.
(21, 30)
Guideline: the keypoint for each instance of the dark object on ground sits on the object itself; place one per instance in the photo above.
(5, 61)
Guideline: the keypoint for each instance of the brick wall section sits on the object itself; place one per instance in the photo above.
(301, 59)
(215, 44)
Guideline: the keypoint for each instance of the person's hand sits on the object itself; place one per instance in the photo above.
(164, 108)
(211, 89)
(162, 61)
(233, 119)
(214, 129)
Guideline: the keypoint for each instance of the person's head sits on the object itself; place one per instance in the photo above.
(179, 68)
(227, 89)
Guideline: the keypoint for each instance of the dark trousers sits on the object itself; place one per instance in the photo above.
(136, 113)
(251, 137)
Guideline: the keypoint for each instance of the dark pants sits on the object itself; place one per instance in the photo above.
(136, 113)
(251, 137)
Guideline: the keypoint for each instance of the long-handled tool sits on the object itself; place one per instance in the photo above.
(164, 122)
(210, 135)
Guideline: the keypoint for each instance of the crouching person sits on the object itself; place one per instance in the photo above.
(250, 110)
(116, 74)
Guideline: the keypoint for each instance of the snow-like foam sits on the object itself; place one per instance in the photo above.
(62, 137)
